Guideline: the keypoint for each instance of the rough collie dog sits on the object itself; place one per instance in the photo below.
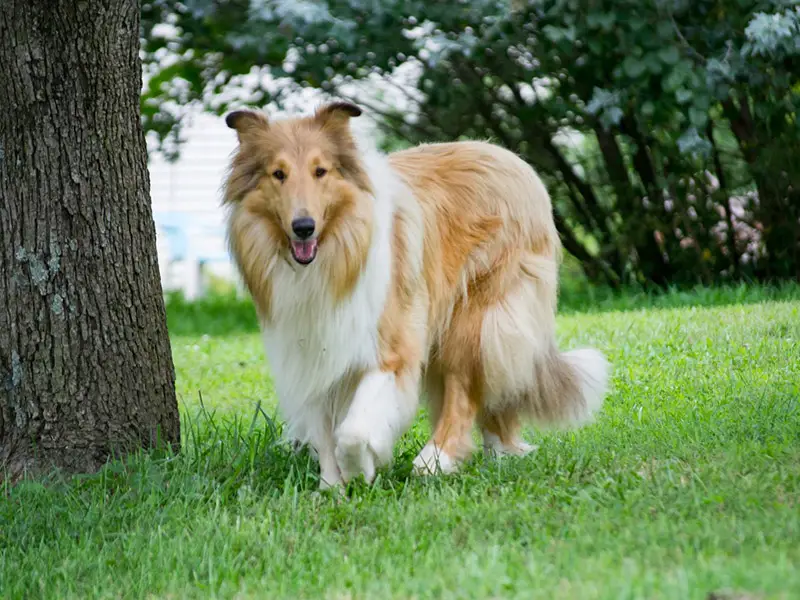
(377, 278)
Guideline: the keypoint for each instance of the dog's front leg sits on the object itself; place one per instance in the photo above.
(317, 428)
(329, 474)
(382, 408)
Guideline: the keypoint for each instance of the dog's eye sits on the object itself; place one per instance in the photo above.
(279, 175)
(320, 172)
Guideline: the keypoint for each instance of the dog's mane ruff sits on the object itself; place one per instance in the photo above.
(243, 174)
(346, 330)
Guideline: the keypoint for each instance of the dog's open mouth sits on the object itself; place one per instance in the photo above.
(304, 251)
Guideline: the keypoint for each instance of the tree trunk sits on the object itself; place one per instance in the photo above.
(724, 196)
(772, 163)
(85, 365)
(652, 263)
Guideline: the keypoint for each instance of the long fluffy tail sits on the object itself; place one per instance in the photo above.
(570, 387)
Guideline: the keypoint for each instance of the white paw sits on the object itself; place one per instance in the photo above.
(335, 487)
(521, 448)
(494, 447)
(432, 460)
(329, 479)
(355, 456)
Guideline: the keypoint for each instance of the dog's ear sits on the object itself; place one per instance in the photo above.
(337, 112)
(334, 121)
(246, 123)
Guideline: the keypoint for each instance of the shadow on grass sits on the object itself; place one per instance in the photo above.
(226, 314)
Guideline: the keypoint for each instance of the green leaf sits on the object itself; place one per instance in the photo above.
(595, 45)
(698, 117)
(669, 55)
(593, 19)
(607, 21)
(653, 63)
(554, 34)
(673, 81)
(679, 74)
(600, 20)
(664, 29)
(633, 67)
(682, 95)
(637, 23)
(701, 99)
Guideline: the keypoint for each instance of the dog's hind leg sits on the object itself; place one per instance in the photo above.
(451, 442)
(501, 433)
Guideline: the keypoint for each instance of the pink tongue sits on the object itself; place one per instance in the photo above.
(304, 250)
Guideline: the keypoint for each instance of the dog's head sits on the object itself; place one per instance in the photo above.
(303, 177)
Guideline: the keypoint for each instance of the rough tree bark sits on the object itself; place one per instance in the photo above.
(85, 365)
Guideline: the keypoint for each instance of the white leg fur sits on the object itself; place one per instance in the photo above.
(493, 446)
(319, 433)
(329, 474)
(432, 460)
(378, 415)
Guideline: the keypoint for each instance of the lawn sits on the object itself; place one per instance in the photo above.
(689, 482)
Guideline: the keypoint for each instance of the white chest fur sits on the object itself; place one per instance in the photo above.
(312, 341)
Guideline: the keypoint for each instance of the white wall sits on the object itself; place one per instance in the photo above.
(191, 187)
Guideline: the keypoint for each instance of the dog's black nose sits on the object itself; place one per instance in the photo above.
(303, 227)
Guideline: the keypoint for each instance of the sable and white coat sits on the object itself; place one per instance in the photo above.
(435, 267)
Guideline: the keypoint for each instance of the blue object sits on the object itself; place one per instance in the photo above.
(181, 230)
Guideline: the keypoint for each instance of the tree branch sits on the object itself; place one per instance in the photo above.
(572, 179)
(591, 264)
(388, 116)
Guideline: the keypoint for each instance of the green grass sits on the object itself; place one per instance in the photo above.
(688, 483)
